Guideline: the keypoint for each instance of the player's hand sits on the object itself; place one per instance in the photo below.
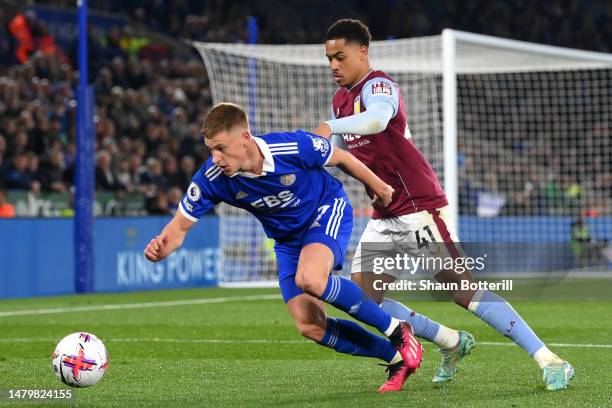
(156, 249)
(323, 130)
(383, 196)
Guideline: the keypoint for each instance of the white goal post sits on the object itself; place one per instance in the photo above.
(518, 56)
(519, 133)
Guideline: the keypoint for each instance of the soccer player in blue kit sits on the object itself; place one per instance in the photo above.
(280, 179)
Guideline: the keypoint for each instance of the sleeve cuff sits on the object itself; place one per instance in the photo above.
(186, 214)
(331, 127)
(331, 152)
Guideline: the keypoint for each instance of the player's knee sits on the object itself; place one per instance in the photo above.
(311, 331)
(310, 283)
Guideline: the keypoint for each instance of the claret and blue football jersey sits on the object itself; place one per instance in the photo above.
(285, 198)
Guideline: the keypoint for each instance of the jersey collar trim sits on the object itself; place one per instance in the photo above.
(361, 80)
(268, 164)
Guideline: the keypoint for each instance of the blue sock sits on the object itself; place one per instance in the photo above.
(423, 327)
(498, 313)
(348, 337)
(348, 297)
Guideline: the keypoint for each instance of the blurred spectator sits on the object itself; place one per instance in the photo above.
(46, 43)
(20, 28)
(17, 175)
(186, 172)
(587, 251)
(32, 35)
(124, 175)
(34, 171)
(158, 204)
(136, 169)
(131, 43)
(106, 178)
(19, 143)
(171, 172)
(113, 47)
(52, 175)
(153, 177)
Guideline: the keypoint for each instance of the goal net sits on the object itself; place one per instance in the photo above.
(518, 133)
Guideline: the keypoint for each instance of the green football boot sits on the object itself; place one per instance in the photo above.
(451, 357)
(557, 376)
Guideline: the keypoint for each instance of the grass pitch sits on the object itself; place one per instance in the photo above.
(230, 352)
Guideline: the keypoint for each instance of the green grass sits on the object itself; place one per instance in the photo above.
(171, 366)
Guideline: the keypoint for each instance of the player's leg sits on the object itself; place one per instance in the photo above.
(381, 232)
(423, 326)
(453, 344)
(499, 314)
(343, 336)
(313, 277)
(309, 315)
(323, 250)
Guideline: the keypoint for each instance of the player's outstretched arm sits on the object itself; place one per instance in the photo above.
(356, 169)
(169, 239)
(372, 121)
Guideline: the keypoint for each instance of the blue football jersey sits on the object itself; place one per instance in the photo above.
(285, 197)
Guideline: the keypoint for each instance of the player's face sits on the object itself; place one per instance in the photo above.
(348, 61)
(228, 149)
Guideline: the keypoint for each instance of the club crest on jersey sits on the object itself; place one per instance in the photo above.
(240, 195)
(193, 192)
(381, 88)
(320, 145)
(287, 179)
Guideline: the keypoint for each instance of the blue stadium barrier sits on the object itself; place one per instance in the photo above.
(529, 229)
(37, 256)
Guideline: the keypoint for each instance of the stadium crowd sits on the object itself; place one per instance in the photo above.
(566, 23)
(146, 121)
(148, 108)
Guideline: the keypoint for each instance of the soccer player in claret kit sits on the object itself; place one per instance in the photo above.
(369, 114)
(280, 179)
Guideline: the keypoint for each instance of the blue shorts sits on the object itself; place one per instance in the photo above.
(331, 228)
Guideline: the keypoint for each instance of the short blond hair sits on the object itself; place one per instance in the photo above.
(222, 117)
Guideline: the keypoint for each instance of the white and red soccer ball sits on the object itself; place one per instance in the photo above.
(80, 360)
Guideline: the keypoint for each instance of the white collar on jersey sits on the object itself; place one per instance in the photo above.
(268, 164)
(361, 80)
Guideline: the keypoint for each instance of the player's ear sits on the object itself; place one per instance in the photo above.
(363, 51)
(246, 138)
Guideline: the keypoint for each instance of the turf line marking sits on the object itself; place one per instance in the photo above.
(571, 345)
(121, 306)
(267, 341)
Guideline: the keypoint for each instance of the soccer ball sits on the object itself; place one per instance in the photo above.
(80, 360)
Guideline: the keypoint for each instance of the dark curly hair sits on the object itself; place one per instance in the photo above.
(350, 30)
